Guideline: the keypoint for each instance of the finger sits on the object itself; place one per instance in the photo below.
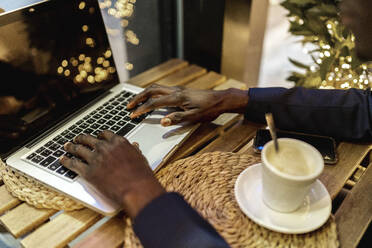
(87, 140)
(153, 103)
(136, 145)
(178, 117)
(74, 164)
(148, 93)
(107, 135)
(79, 151)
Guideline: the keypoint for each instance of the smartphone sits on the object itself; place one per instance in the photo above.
(325, 145)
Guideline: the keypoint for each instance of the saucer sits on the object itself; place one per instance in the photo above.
(313, 213)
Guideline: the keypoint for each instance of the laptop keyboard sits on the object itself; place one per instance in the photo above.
(112, 115)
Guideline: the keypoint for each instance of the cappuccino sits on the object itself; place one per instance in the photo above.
(290, 159)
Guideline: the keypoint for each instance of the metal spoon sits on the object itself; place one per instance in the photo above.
(270, 123)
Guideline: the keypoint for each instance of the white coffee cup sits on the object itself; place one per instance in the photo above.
(288, 175)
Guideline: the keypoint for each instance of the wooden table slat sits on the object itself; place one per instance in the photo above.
(109, 235)
(182, 76)
(231, 83)
(205, 133)
(234, 139)
(7, 201)
(61, 230)
(335, 176)
(207, 81)
(146, 78)
(355, 213)
(24, 218)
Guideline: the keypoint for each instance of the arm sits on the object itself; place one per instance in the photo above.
(120, 171)
(343, 114)
(169, 221)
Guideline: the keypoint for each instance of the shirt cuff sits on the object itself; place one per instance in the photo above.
(260, 102)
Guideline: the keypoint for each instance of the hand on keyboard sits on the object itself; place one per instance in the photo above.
(197, 105)
(115, 167)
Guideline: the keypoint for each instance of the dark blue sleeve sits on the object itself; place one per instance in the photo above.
(169, 221)
(342, 114)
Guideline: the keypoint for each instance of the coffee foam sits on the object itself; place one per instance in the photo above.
(290, 159)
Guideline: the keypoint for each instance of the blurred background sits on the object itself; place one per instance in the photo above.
(210, 33)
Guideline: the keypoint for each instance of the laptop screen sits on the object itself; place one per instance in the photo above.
(54, 58)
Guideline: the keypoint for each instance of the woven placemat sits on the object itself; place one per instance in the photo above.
(33, 192)
(207, 182)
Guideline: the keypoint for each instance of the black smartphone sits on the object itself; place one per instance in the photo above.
(325, 145)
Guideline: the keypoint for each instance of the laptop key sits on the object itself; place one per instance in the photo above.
(49, 160)
(115, 128)
(37, 159)
(49, 143)
(119, 107)
(71, 174)
(40, 150)
(105, 127)
(77, 130)
(90, 121)
(62, 141)
(138, 119)
(31, 156)
(114, 112)
(58, 153)
(72, 127)
(46, 153)
(121, 123)
(88, 131)
(54, 166)
(110, 123)
(116, 118)
(62, 170)
(69, 136)
(126, 129)
(101, 121)
(83, 125)
(54, 147)
(57, 137)
(103, 112)
(65, 132)
(95, 126)
(95, 133)
(69, 155)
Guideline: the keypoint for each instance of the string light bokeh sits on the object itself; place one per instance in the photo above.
(85, 68)
(331, 47)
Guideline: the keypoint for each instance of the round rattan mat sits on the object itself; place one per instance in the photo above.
(207, 182)
(33, 192)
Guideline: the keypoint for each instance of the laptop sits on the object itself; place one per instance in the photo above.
(63, 43)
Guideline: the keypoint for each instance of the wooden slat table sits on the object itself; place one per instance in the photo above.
(349, 179)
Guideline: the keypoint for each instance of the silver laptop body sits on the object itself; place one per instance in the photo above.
(156, 142)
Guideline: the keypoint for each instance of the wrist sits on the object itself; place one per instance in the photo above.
(141, 195)
(235, 100)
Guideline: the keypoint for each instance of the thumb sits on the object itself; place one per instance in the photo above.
(178, 117)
